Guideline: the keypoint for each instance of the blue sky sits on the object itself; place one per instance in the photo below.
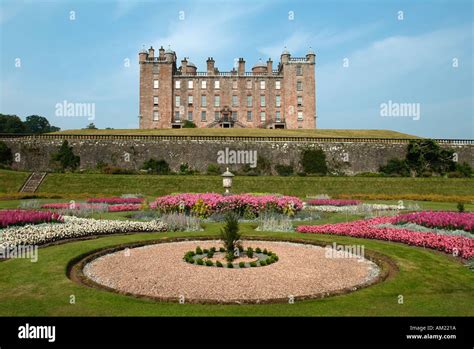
(403, 61)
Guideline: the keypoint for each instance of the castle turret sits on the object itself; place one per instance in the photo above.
(311, 56)
(259, 67)
(170, 55)
(285, 56)
(142, 55)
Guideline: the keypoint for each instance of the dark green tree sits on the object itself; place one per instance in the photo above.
(396, 167)
(91, 126)
(230, 235)
(11, 124)
(66, 157)
(427, 156)
(189, 124)
(6, 155)
(313, 161)
(160, 167)
(39, 124)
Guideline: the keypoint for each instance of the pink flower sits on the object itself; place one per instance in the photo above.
(116, 200)
(22, 217)
(368, 229)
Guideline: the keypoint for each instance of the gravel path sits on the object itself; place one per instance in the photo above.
(159, 271)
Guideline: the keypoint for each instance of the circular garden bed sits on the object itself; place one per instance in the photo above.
(158, 271)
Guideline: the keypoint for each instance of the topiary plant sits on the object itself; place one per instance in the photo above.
(230, 235)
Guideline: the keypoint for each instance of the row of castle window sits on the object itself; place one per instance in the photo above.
(235, 103)
(217, 115)
(156, 84)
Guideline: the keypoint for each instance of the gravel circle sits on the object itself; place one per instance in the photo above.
(158, 271)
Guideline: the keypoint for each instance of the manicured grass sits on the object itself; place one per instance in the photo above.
(299, 186)
(247, 132)
(11, 181)
(431, 283)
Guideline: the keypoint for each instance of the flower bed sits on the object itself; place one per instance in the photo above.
(72, 227)
(22, 217)
(91, 206)
(360, 208)
(445, 220)
(115, 200)
(210, 203)
(369, 229)
(332, 202)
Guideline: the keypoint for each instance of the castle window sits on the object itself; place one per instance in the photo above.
(300, 115)
(278, 116)
(234, 101)
(234, 115)
(190, 100)
(249, 101)
(262, 101)
(156, 83)
(190, 116)
(176, 116)
(155, 100)
(262, 116)
(190, 84)
(177, 101)
(234, 84)
(203, 115)
(299, 86)
(300, 101)
(177, 84)
(203, 101)
(277, 84)
(217, 84)
(249, 84)
(217, 101)
(249, 116)
(204, 84)
(299, 70)
(278, 101)
(156, 116)
(217, 115)
(262, 85)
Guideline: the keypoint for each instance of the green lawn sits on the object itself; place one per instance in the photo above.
(299, 186)
(11, 181)
(430, 282)
(247, 132)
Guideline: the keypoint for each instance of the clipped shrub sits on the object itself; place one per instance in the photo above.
(205, 251)
(209, 263)
(241, 265)
(253, 264)
(213, 169)
(249, 252)
(230, 265)
(198, 250)
(160, 167)
(269, 261)
(284, 170)
(210, 254)
(219, 264)
(265, 251)
(313, 161)
(221, 249)
(199, 261)
(230, 235)
(263, 263)
(258, 250)
(460, 207)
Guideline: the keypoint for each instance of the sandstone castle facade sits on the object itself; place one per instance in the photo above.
(284, 97)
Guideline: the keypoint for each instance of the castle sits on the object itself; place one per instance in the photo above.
(265, 97)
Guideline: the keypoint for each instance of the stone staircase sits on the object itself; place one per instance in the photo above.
(33, 182)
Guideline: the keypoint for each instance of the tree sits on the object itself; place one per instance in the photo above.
(6, 155)
(313, 161)
(427, 156)
(66, 157)
(91, 126)
(397, 167)
(11, 124)
(230, 235)
(160, 167)
(189, 124)
(38, 124)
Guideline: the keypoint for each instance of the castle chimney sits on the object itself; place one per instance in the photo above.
(142, 55)
(151, 52)
(161, 52)
(269, 66)
(184, 66)
(285, 56)
(241, 66)
(210, 66)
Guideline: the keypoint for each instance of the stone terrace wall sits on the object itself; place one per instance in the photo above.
(35, 153)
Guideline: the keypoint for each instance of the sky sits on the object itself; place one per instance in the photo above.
(369, 54)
